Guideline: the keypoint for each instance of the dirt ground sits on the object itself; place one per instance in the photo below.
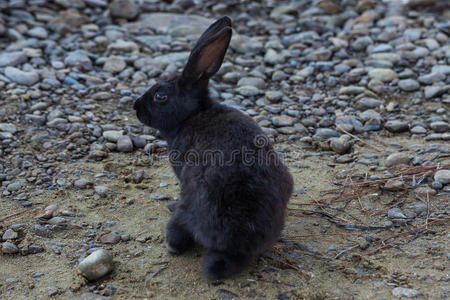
(303, 265)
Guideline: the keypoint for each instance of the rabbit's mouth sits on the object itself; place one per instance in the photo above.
(142, 113)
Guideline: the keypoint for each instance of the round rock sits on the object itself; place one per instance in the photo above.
(96, 265)
(124, 144)
(22, 77)
(442, 176)
(397, 159)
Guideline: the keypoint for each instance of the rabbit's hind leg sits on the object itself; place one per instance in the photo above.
(178, 238)
(220, 264)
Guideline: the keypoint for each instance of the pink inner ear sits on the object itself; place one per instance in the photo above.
(212, 55)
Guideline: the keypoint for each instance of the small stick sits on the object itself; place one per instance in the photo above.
(116, 217)
(34, 212)
(274, 281)
(428, 210)
(359, 139)
(13, 215)
(345, 250)
(155, 274)
(387, 245)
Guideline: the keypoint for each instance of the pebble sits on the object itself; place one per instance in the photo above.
(124, 144)
(283, 121)
(12, 59)
(396, 213)
(101, 190)
(49, 212)
(382, 74)
(9, 235)
(9, 248)
(96, 265)
(323, 134)
(38, 32)
(110, 238)
(127, 9)
(82, 183)
(393, 185)
(22, 77)
(405, 292)
(439, 126)
(114, 64)
(399, 158)
(442, 176)
(341, 145)
(396, 126)
(78, 59)
(112, 135)
(408, 85)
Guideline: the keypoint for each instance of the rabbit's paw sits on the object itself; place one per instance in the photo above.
(219, 265)
(177, 239)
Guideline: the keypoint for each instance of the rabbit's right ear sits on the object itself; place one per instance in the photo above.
(213, 29)
(207, 56)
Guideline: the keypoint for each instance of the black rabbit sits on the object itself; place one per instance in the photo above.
(234, 188)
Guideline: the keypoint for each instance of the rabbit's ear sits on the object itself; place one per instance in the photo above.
(207, 56)
(213, 29)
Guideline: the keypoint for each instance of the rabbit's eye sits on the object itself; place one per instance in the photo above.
(160, 97)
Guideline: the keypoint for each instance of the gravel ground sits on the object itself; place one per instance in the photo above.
(349, 91)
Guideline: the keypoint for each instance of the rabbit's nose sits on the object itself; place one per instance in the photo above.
(136, 103)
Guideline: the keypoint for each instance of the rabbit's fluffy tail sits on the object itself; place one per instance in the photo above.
(219, 265)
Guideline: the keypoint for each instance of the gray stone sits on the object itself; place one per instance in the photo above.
(413, 34)
(439, 126)
(408, 85)
(101, 190)
(435, 90)
(248, 90)
(383, 75)
(110, 238)
(351, 90)
(323, 134)
(38, 32)
(397, 158)
(21, 77)
(431, 78)
(124, 144)
(444, 69)
(14, 186)
(8, 127)
(96, 265)
(12, 59)
(252, 81)
(274, 96)
(442, 176)
(405, 292)
(112, 135)
(79, 59)
(320, 55)
(283, 120)
(9, 235)
(114, 64)
(272, 57)
(9, 248)
(125, 46)
(396, 126)
(126, 9)
(361, 43)
(82, 183)
(341, 145)
(163, 22)
(367, 103)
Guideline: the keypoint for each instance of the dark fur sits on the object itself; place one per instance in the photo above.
(235, 210)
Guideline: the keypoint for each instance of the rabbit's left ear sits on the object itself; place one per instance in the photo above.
(207, 56)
